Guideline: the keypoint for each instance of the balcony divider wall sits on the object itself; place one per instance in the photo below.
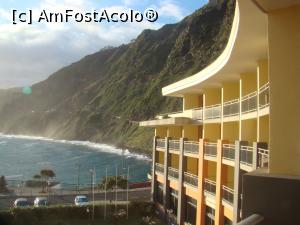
(153, 177)
(181, 195)
(166, 182)
(202, 173)
(221, 177)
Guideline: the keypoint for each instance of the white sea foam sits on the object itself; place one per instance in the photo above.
(92, 145)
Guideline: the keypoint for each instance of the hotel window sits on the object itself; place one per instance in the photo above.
(209, 216)
(191, 211)
(160, 193)
(174, 201)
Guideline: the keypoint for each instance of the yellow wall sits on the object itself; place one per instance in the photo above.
(263, 72)
(191, 132)
(230, 176)
(174, 161)
(212, 96)
(249, 83)
(249, 130)
(212, 132)
(161, 132)
(284, 67)
(231, 131)
(212, 170)
(264, 129)
(192, 165)
(160, 156)
(231, 91)
(174, 132)
(192, 101)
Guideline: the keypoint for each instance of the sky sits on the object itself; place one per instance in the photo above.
(30, 53)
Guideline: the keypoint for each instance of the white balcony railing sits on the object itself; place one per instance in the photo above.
(191, 179)
(247, 155)
(210, 149)
(160, 143)
(228, 152)
(191, 147)
(210, 186)
(159, 168)
(227, 194)
(263, 157)
(197, 114)
(167, 115)
(173, 173)
(213, 112)
(174, 145)
(231, 108)
(249, 103)
(264, 96)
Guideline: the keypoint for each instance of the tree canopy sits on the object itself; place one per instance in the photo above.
(47, 173)
(111, 182)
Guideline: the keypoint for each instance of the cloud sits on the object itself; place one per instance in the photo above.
(169, 8)
(29, 54)
(4, 15)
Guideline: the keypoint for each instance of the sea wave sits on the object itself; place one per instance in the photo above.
(91, 145)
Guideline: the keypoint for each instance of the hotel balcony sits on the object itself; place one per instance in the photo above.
(263, 158)
(159, 168)
(231, 110)
(251, 105)
(227, 196)
(174, 146)
(190, 179)
(196, 114)
(213, 113)
(160, 144)
(210, 151)
(191, 148)
(228, 155)
(264, 99)
(209, 187)
(173, 173)
(246, 158)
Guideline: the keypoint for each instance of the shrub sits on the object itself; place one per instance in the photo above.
(3, 185)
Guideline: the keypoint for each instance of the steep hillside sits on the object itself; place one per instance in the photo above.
(100, 97)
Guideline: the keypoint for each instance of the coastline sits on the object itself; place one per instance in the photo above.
(103, 147)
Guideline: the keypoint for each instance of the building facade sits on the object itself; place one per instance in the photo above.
(240, 123)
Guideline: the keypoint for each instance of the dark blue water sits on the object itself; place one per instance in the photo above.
(25, 157)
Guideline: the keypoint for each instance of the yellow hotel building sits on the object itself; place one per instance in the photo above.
(232, 155)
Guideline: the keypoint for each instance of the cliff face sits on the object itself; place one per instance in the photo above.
(101, 97)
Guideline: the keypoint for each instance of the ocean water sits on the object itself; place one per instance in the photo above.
(21, 157)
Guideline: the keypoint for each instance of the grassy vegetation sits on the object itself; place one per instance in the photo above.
(130, 221)
(62, 215)
(101, 97)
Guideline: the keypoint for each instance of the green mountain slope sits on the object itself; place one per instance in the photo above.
(101, 97)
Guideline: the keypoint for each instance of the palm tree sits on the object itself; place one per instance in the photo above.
(46, 174)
